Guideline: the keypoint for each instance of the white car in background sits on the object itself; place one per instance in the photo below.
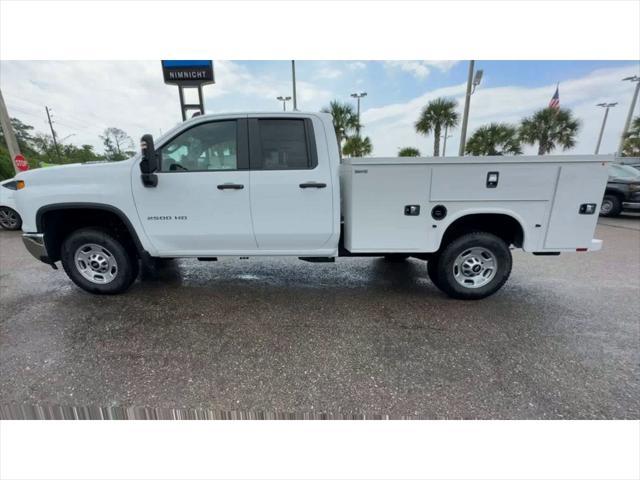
(9, 218)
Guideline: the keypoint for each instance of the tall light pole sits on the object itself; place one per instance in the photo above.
(293, 78)
(358, 96)
(284, 101)
(632, 107)
(606, 107)
(472, 82)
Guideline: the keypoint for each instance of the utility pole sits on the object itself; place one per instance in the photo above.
(9, 135)
(53, 133)
(606, 107)
(632, 107)
(358, 95)
(293, 76)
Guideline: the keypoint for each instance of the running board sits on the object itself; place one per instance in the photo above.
(318, 259)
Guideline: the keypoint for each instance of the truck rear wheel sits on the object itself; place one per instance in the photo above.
(611, 206)
(473, 266)
(98, 262)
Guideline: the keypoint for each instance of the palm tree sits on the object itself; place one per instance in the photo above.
(408, 152)
(494, 139)
(631, 147)
(550, 128)
(357, 146)
(345, 119)
(438, 113)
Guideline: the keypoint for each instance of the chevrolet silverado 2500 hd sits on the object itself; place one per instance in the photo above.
(274, 184)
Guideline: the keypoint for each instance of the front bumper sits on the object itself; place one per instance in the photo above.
(34, 242)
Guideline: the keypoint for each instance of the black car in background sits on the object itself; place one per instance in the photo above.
(622, 192)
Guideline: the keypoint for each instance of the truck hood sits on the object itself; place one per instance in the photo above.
(60, 173)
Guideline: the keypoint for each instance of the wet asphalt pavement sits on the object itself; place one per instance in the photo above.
(561, 340)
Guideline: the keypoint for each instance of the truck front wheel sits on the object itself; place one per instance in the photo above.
(473, 266)
(98, 262)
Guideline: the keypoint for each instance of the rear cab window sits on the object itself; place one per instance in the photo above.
(282, 144)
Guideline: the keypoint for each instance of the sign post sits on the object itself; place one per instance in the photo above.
(188, 74)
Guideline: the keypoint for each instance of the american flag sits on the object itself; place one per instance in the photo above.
(555, 100)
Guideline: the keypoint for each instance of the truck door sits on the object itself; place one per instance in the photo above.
(291, 191)
(201, 203)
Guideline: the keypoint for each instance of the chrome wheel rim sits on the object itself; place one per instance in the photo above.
(475, 267)
(8, 218)
(96, 263)
(606, 206)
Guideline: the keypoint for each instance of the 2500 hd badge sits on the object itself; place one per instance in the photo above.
(167, 217)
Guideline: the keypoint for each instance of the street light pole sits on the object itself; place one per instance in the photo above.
(465, 115)
(293, 77)
(284, 101)
(606, 107)
(632, 107)
(358, 96)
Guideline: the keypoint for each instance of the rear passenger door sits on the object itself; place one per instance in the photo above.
(291, 191)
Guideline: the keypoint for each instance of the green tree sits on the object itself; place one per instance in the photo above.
(345, 120)
(494, 139)
(550, 128)
(437, 114)
(357, 146)
(408, 152)
(631, 146)
(117, 144)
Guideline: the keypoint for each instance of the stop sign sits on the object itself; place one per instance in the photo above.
(21, 163)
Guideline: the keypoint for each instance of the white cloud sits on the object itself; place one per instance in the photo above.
(87, 97)
(329, 73)
(392, 126)
(356, 66)
(421, 68)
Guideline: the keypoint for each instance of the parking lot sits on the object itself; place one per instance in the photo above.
(359, 337)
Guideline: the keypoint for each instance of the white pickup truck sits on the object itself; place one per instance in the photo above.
(274, 184)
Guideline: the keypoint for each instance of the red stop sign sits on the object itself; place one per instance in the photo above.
(21, 163)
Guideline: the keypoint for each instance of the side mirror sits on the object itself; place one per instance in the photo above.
(149, 162)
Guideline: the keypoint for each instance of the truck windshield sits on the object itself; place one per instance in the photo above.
(623, 171)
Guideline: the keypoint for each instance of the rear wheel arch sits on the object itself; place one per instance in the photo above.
(57, 221)
(503, 225)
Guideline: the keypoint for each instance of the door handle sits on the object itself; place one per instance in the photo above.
(313, 185)
(230, 186)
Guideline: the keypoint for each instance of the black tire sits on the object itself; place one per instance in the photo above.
(115, 251)
(395, 257)
(10, 219)
(432, 270)
(492, 245)
(611, 206)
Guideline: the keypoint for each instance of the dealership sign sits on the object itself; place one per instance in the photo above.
(188, 73)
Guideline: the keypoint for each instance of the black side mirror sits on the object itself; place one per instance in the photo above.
(149, 162)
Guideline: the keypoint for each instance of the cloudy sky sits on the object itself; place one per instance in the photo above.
(87, 97)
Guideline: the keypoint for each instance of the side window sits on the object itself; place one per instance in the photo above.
(209, 146)
(284, 144)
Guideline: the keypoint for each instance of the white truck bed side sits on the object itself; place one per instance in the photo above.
(543, 194)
